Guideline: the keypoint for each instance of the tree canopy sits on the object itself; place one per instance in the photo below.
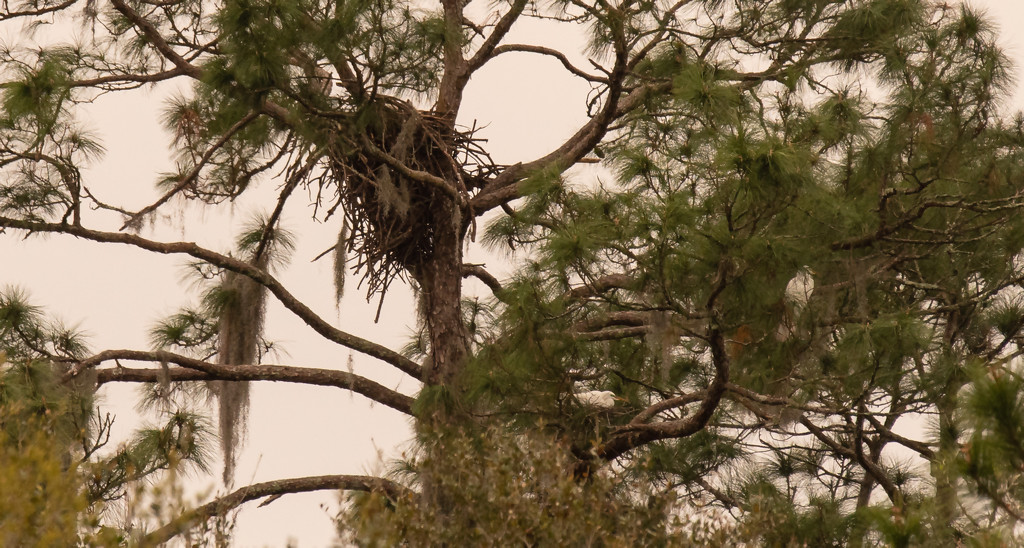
(785, 310)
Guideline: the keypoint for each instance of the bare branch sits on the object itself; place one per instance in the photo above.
(602, 284)
(664, 405)
(478, 272)
(722, 496)
(541, 50)
(503, 188)
(616, 318)
(201, 370)
(129, 78)
(486, 51)
(643, 433)
(221, 506)
(869, 466)
(920, 447)
(8, 14)
(612, 333)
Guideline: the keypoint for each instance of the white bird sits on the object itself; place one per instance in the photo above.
(604, 399)
(799, 289)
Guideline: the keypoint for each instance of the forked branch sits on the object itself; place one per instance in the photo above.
(153, 35)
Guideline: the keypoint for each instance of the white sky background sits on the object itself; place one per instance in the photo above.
(114, 293)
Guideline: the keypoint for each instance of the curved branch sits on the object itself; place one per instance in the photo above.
(478, 272)
(261, 277)
(195, 370)
(393, 491)
(664, 405)
(541, 50)
(504, 187)
(637, 435)
(501, 28)
(640, 434)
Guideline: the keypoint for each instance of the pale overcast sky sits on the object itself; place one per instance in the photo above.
(115, 293)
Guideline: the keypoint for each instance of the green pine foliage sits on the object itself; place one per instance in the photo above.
(785, 311)
(515, 490)
(62, 480)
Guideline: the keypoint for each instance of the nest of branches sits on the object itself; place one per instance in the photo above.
(399, 171)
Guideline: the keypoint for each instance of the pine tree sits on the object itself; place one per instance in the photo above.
(788, 311)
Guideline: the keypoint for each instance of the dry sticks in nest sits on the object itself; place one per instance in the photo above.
(397, 173)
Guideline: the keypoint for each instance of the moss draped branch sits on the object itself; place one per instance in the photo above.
(196, 370)
(260, 276)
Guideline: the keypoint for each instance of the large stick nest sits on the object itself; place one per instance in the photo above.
(392, 213)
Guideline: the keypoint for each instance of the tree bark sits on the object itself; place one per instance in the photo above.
(440, 280)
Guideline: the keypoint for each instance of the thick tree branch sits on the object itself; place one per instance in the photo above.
(454, 74)
(503, 188)
(722, 496)
(478, 272)
(616, 318)
(612, 333)
(887, 434)
(200, 370)
(600, 285)
(642, 433)
(221, 506)
(289, 301)
(763, 399)
(672, 403)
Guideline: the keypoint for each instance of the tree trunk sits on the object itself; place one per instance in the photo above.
(440, 280)
(943, 464)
